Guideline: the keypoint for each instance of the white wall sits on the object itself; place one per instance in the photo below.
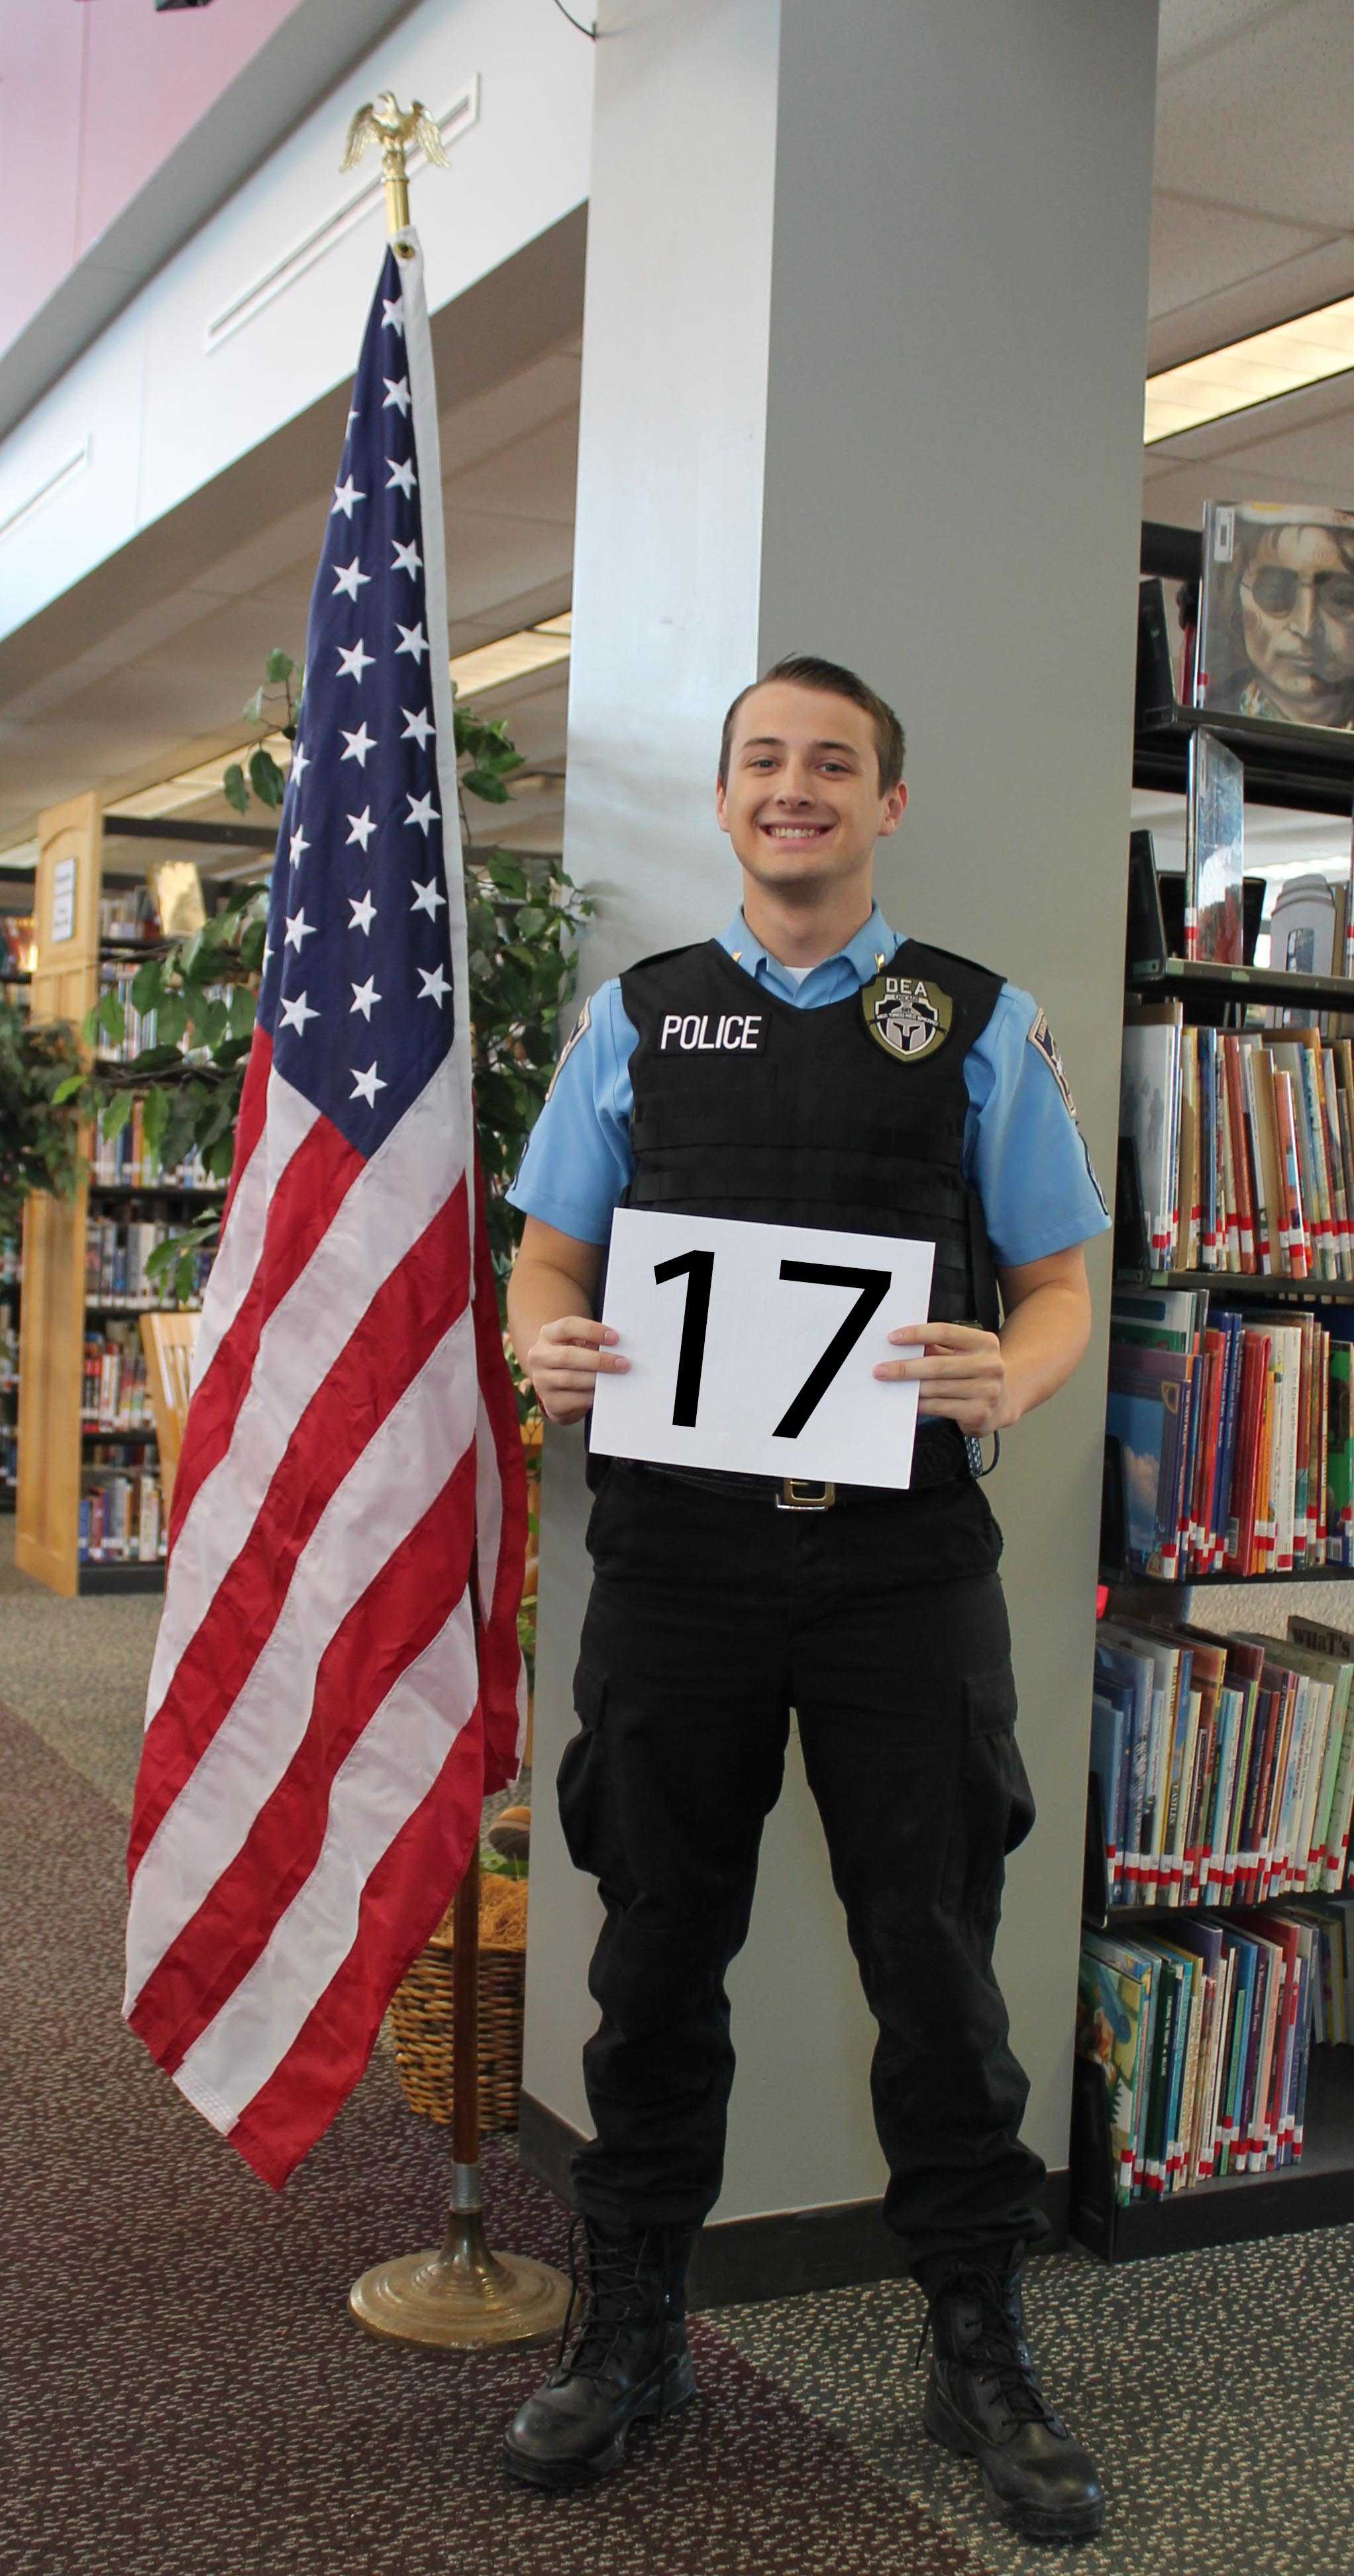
(155, 413)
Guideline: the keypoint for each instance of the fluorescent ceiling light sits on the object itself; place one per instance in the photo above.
(532, 648)
(192, 786)
(1247, 372)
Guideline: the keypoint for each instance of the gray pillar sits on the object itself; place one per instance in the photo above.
(863, 363)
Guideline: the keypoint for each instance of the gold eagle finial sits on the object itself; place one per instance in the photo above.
(396, 129)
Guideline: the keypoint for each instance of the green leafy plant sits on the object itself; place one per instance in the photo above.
(38, 1135)
(523, 916)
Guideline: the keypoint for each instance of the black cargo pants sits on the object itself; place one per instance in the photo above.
(881, 1622)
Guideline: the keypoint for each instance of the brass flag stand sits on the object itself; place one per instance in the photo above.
(459, 2295)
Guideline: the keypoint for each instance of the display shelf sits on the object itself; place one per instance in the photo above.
(126, 1576)
(1278, 984)
(106, 1431)
(1292, 765)
(1317, 2192)
(158, 1189)
(1246, 1283)
(1117, 1576)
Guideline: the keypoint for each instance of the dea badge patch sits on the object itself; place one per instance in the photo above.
(906, 1015)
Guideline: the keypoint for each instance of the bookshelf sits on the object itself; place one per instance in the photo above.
(1312, 773)
(60, 1451)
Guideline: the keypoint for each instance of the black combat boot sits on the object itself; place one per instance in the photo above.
(983, 2400)
(623, 2359)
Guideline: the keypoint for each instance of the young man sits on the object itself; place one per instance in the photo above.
(888, 1088)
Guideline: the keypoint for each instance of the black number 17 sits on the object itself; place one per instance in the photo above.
(698, 1269)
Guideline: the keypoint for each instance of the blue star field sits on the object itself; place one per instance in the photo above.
(357, 984)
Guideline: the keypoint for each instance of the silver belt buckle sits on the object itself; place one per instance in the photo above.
(805, 1494)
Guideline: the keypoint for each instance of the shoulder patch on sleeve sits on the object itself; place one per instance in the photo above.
(1045, 1044)
(580, 1028)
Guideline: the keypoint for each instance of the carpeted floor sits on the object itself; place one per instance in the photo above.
(187, 2395)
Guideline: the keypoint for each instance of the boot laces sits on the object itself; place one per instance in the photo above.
(613, 2295)
(999, 2346)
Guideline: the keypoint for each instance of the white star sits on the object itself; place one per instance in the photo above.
(402, 474)
(407, 558)
(417, 727)
(267, 953)
(359, 744)
(364, 913)
(366, 1085)
(350, 577)
(362, 830)
(295, 1015)
(298, 928)
(423, 812)
(298, 844)
(412, 640)
(393, 314)
(396, 393)
(363, 997)
(300, 762)
(354, 659)
(352, 416)
(428, 898)
(345, 493)
(434, 985)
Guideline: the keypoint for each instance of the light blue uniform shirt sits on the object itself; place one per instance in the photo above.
(1023, 1150)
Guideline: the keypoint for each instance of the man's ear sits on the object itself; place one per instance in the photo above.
(895, 806)
(721, 806)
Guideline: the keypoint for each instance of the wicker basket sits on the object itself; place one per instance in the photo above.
(421, 2011)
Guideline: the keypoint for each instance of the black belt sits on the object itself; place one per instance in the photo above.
(940, 1452)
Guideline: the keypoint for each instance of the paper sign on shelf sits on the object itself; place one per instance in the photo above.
(752, 1348)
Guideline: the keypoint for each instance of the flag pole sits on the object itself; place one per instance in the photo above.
(458, 2295)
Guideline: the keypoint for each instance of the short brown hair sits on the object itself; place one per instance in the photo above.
(810, 671)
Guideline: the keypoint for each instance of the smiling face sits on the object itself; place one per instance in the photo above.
(1297, 616)
(803, 805)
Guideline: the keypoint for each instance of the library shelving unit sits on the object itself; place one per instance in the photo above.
(15, 984)
(1313, 773)
(53, 1439)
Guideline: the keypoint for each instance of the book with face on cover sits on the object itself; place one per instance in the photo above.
(1276, 624)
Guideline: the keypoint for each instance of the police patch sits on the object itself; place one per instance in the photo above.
(907, 1015)
(1045, 1044)
(580, 1028)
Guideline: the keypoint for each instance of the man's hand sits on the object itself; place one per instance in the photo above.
(565, 1361)
(961, 1375)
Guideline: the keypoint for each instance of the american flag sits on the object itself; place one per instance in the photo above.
(337, 1679)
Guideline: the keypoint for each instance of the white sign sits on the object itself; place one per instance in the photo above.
(63, 900)
(753, 1348)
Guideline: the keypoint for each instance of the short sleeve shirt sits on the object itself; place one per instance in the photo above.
(1023, 1151)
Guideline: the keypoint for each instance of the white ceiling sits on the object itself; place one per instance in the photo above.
(1253, 220)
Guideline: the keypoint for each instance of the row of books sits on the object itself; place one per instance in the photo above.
(140, 1028)
(1204, 2041)
(1224, 1765)
(11, 1261)
(9, 1345)
(116, 1254)
(114, 1395)
(1244, 1144)
(9, 1453)
(1229, 1436)
(121, 1518)
(127, 1161)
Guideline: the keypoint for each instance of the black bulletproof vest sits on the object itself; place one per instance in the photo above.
(848, 1116)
